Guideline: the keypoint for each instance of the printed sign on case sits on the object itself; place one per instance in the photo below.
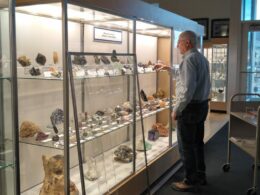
(101, 34)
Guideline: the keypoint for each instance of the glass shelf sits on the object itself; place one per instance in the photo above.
(5, 77)
(106, 129)
(4, 164)
(76, 78)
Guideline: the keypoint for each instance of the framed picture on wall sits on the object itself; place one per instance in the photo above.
(219, 28)
(204, 22)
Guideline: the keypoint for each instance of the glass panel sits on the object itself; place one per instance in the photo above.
(151, 47)
(6, 127)
(41, 117)
(219, 73)
(106, 119)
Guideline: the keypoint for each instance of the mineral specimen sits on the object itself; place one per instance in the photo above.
(100, 113)
(35, 71)
(118, 108)
(163, 131)
(114, 57)
(41, 136)
(55, 57)
(105, 60)
(140, 146)
(159, 94)
(53, 183)
(153, 134)
(143, 96)
(162, 104)
(29, 129)
(55, 138)
(56, 74)
(79, 60)
(97, 60)
(57, 116)
(40, 59)
(127, 107)
(24, 61)
(123, 154)
(149, 63)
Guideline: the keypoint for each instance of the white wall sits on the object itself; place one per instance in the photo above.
(212, 9)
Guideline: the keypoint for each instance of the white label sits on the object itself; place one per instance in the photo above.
(101, 34)
(80, 73)
(47, 74)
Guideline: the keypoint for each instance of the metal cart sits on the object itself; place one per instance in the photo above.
(244, 129)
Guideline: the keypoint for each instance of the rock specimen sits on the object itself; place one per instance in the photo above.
(24, 61)
(159, 94)
(105, 60)
(163, 131)
(114, 57)
(153, 134)
(53, 183)
(143, 96)
(40, 59)
(127, 107)
(55, 57)
(35, 71)
(41, 136)
(57, 116)
(140, 146)
(28, 129)
(55, 138)
(124, 154)
(100, 113)
(79, 60)
(97, 60)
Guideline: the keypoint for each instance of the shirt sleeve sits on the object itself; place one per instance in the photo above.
(187, 85)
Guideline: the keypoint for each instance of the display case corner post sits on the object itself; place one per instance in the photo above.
(64, 4)
(12, 4)
(171, 85)
(134, 93)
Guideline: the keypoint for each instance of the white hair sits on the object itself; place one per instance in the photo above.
(191, 36)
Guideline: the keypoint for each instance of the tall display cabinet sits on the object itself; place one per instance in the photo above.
(216, 51)
(91, 107)
(9, 156)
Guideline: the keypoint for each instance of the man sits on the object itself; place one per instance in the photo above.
(192, 92)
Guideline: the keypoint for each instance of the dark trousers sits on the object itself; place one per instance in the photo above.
(190, 134)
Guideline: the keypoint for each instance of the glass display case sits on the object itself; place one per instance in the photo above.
(89, 99)
(7, 138)
(219, 76)
(104, 73)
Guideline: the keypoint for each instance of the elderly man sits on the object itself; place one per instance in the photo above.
(192, 92)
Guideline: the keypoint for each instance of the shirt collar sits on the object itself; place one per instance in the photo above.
(189, 52)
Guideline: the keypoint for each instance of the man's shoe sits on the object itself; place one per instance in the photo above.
(184, 187)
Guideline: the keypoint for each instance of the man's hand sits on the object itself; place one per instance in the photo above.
(160, 66)
(174, 116)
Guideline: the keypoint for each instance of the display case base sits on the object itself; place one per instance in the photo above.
(218, 106)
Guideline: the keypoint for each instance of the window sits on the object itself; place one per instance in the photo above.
(250, 10)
